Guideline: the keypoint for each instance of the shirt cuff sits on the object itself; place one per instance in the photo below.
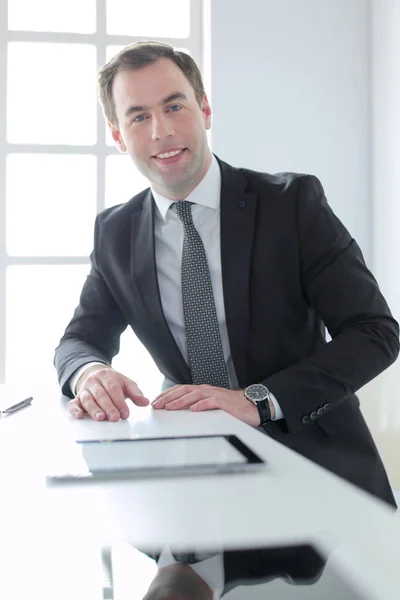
(278, 410)
(75, 376)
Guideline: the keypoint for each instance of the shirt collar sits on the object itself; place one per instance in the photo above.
(206, 193)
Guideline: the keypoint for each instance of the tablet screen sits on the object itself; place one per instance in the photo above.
(169, 452)
(152, 456)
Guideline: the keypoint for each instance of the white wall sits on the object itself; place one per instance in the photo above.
(290, 86)
(381, 398)
(314, 86)
(386, 147)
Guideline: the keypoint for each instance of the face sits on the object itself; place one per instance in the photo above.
(162, 127)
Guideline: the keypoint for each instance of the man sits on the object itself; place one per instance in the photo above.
(228, 277)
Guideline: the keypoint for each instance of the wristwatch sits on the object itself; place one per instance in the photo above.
(260, 396)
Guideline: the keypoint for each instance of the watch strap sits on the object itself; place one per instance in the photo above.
(264, 411)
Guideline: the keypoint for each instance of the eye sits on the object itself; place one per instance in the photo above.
(139, 118)
(175, 107)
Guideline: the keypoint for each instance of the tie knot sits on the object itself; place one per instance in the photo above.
(183, 209)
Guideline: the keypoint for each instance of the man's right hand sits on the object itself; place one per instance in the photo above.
(101, 392)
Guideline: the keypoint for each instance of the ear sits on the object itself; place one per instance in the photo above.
(117, 137)
(206, 110)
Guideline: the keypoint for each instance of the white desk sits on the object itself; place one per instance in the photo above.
(301, 502)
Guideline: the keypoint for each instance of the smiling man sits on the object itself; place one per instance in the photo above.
(229, 278)
(165, 136)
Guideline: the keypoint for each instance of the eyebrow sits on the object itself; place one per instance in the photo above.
(141, 108)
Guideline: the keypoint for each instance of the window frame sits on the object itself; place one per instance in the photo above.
(100, 39)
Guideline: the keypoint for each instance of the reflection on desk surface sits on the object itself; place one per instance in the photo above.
(282, 573)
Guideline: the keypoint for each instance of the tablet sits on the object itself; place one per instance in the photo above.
(155, 457)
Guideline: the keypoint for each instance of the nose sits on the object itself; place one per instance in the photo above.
(161, 127)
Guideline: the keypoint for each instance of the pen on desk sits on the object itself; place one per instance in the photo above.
(17, 406)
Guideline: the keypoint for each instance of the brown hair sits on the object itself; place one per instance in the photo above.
(139, 55)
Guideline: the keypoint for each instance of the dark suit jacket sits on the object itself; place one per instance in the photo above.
(299, 564)
(289, 267)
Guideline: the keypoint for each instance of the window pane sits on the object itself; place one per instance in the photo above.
(39, 305)
(113, 50)
(134, 361)
(53, 101)
(156, 18)
(123, 180)
(57, 198)
(47, 15)
(40, 301)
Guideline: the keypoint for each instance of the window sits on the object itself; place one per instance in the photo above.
(59, 166)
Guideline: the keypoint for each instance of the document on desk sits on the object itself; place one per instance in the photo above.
(13, 397)
(156, 457)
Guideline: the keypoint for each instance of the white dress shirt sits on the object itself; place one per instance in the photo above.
(168, 232)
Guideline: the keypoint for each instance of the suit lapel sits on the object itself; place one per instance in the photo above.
(238, 214)
(145, 276)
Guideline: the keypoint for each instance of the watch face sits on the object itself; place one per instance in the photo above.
(257, 392)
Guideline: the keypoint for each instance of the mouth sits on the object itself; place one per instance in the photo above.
(170, 157)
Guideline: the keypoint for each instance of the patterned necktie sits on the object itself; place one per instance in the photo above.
(207, 362)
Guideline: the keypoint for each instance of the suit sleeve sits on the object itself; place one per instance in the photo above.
(93, 334)
(346, 297)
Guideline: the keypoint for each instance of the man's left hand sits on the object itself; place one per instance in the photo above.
(207, 397)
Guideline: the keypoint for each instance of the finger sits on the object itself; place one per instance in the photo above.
(187, 400)
(132, 391)
(113, 389)
(166, 392)
(90, 405)
(206, 404)
(172, 394)
(102, 399)
(175, 393)
(75, 408)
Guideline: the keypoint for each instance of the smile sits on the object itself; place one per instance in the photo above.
(169, 154)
